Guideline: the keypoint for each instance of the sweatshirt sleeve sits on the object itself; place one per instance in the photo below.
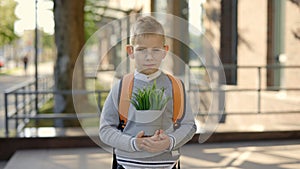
(186, 130)
(109, 121)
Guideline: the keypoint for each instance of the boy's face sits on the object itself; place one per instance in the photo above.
(148, 52)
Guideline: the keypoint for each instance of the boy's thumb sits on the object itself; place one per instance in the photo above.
(140, 134)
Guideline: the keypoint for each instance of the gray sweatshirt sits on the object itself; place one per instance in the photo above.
(123, 142)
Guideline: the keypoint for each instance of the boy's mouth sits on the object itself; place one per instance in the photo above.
(149, 65)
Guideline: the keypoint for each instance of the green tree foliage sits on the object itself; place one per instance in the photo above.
(7, 20)
(47, 40)
(90, 18)
(98, 13)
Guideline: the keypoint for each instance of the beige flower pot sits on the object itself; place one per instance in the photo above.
(149, 120)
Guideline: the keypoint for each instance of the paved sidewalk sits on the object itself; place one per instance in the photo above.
(239, 155)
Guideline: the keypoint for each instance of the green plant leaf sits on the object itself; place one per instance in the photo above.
(149, 98)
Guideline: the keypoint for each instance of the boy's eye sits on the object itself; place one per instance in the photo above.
(155, 49)
(140, 49)
(145, 49)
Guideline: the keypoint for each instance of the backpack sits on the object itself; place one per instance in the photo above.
(125, 91)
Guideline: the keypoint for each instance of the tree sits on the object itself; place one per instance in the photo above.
(74, 23)
(69, 39)
(48, 46)
(7, 20)
(90, 17)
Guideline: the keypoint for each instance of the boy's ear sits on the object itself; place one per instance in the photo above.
(166, 47)
(129, 50)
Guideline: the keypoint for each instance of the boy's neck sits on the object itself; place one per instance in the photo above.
(145, 77)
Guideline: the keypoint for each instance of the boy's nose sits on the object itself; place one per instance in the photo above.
(148, 54)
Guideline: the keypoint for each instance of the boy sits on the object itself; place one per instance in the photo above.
(133, 150)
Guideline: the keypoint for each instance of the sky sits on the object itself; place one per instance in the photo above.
(25, 11)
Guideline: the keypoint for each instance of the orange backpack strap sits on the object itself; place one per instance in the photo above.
(178, 100)
(125, 91)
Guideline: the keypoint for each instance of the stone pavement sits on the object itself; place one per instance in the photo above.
(238, 155)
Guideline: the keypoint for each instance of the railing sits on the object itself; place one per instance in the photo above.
(21, 115)
(259, 89)
(25, 96)
(22, 103)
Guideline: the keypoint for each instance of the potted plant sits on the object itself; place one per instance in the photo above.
(149, 103)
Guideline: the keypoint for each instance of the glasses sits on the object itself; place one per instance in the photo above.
(155, 52)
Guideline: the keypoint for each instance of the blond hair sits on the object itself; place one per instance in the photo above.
(146, 25)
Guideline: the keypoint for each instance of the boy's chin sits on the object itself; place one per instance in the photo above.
(149, 71)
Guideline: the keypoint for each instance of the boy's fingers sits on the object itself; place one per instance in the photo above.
(154, 146)
(146, 148)
(163, 136)
(149, 148)
(148, 142)
(140, 134)
(155, 136)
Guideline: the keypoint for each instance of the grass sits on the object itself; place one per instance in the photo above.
(47, 108)
(9, 71)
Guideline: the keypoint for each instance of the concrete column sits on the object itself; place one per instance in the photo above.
(276, 43)
(228, 50)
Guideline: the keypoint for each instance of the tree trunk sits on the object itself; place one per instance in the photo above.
(69, 39)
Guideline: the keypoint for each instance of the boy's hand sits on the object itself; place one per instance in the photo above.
(157, 143)
(155, 137)
(139, 139)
